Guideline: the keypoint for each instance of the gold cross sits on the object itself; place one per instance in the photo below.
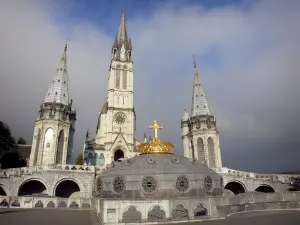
(155, 127)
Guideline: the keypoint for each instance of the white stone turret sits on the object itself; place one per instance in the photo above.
(200, 137)
(55, 126)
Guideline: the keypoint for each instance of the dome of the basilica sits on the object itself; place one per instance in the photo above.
(161, 176)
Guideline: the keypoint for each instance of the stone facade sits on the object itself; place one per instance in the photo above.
(115, 134)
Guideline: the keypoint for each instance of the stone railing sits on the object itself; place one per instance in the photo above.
(257, 201)
(283, 178)
(44, 202)
(5, 173)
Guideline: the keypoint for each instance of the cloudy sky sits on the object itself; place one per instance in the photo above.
(247, 51)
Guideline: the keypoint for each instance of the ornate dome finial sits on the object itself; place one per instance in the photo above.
(156, 146)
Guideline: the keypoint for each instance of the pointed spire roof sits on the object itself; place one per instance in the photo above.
(58, 89)
(199, 102)
(87, 136)
(122, 36)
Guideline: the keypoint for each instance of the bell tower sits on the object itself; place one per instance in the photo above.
(200, 136)
(115, 135)
(55, 125)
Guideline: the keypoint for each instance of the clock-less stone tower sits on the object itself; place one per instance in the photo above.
(200, 136)
(55, 125)
(115, 135)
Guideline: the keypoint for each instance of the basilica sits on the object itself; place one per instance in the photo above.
(126, 181)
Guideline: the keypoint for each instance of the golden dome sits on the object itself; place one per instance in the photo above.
(156, 146)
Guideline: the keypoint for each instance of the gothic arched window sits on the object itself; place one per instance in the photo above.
(211, 152)
(124, 78)
(200, 148)
(118, 78)
(60, 147)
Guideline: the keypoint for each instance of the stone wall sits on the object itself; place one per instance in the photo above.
(143, 211)
(11, 180)
(44, 202)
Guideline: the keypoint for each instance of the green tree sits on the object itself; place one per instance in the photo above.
(79, 159)
(21, 141)
(12, 159)
(6, 139)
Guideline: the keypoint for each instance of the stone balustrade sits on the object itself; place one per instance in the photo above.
(283, 178)
(58, 167)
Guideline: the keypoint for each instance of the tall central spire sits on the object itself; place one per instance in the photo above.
(58, 90)
(122, 32)
(199, 102)
(121, 49)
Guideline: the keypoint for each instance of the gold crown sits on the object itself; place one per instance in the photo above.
(156, 146)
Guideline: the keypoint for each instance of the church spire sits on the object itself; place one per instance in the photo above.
(199, 102)
(58, 90)
(121, 49)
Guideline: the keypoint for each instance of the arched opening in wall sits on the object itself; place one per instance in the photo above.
(90, 159)
(211, 152)
(235, 187)
(118, 78)
(101, 159)
(96, 159)
(48, 141)
(293, 189)
(37, 146)
(60, 147)
(2, 192)
(265, 189)
(67, 189)
(32, 187)
(200, 147)
(119, 154)
(124, 78)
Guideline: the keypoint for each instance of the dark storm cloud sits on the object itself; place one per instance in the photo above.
(248, 62)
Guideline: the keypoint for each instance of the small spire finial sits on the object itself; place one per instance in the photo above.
(67, 40)
(194, 57)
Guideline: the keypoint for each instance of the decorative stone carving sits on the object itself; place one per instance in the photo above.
(15, 203)
(208, 183)
(99, 186)
(175, 160)
(4, 203)
(50, 205)
(39, 204)
(200, 211)
(149, 185)
(62, 204)
(221, 182)
(132, 215)
(118, 185)
(156, 214)
(182, 184)
(179, 213)
(74, 205)
(151, 160)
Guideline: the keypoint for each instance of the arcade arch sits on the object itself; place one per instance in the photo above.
(66, 189)
(264, 188)
(236, 187)
(2, 191)
(32, 187)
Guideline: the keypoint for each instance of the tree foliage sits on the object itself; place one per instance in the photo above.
(21, 141)
(9, 157)
(79, 159)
